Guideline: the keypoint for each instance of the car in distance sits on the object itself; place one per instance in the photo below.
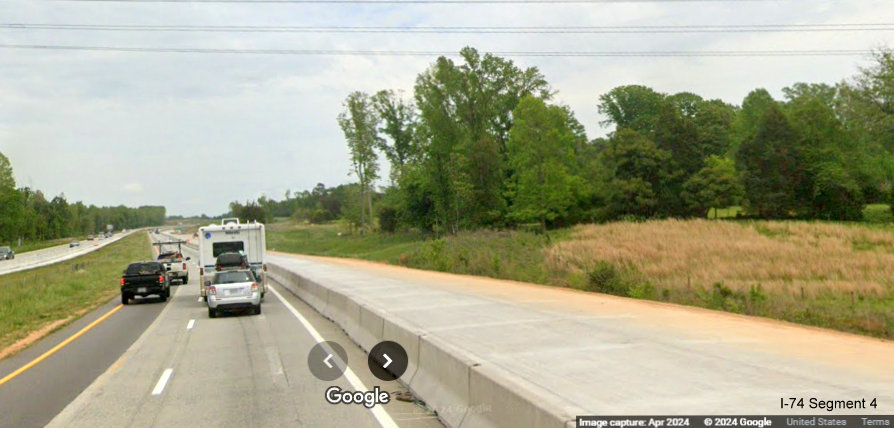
(6, 253)
(73, 244)
(233, 290)
(89, 237)
(145, 279)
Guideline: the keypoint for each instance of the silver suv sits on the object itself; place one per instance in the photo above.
(7, 253)
(233, 290)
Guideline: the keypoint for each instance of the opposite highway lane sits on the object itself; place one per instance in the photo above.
(32, 398)
(58, 253)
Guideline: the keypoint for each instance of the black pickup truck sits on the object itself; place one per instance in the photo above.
(145, 279)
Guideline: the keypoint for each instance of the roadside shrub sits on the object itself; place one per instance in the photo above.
(878, 213)
(642, 290)
(605, 277)
(720, 294)
(319, 216)
(388, 219)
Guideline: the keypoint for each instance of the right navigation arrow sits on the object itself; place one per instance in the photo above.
(387, 360)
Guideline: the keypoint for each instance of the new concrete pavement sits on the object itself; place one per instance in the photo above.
(489, 352)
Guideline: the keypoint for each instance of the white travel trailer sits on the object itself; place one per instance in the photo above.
(231, 236)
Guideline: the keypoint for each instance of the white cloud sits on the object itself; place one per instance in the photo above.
(133, 187)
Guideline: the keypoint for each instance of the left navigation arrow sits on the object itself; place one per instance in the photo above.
(327, 361)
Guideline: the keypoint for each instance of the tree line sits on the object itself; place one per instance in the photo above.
(26, 214)
(480, 143)
(319, 205)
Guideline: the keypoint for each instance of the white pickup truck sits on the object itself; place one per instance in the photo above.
(174, 262)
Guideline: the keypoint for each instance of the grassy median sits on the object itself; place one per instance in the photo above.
(832, 275)
(335, 241)
(37, 301)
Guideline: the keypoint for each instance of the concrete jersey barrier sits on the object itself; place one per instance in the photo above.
(463, 390)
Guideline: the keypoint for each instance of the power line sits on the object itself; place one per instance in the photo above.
(463, 30)
(336, 52)
(418, 1)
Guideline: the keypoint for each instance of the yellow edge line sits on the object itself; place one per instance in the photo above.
(56, 348)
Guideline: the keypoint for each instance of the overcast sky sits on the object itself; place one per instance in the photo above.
(196, 131)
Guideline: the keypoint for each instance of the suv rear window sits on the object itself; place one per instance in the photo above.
(232, 277)
(5, 249)
(142, 269)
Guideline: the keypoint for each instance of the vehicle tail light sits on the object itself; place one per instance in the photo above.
(201, 271)
(217, 267)
(161, 278)
(212, 291)
(184, 266)
(254, 287)
(122, 281)
(265, 267)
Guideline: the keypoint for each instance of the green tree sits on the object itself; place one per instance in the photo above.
(716, 185)
(249, 212)
(541, 155)
(714, 121)
(11, 206)
(687, 103)
(358, 122)
(637, 170)
(865, 106)
(832, 157)
(874, 99)
(399, 121)
(633, 107)
(7, 181)
(769, 158)
(465, 117)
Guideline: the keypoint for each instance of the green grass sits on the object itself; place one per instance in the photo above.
(728, 212)
(516, 255)
(336, 241)
(872, 213)
(35, 298)
(878, 213)
(39, 245)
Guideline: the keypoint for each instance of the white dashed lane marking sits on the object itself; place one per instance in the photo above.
(162, 381)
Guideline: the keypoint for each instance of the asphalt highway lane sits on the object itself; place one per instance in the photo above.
(33, 397)
(186, 369)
